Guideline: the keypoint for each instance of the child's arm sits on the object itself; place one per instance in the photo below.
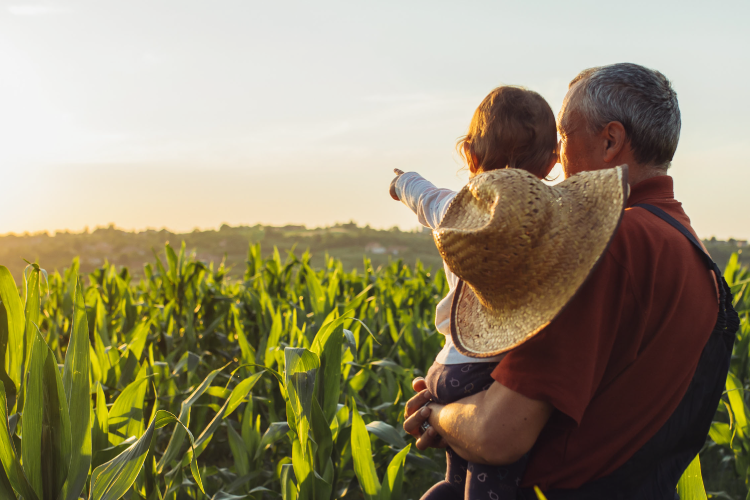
(422, 197)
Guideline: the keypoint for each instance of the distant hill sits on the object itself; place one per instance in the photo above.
(347, 242)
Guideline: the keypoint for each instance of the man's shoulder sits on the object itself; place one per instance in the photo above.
(644, 242)
(642, 232)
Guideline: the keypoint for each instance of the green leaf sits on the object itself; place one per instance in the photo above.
(720, 433)
(288, 488)
(31, 311)
(207, 434)
(100, 325)
(250, 431)
(6, 490)
(316, 293)
(100, 431)
(301, 366)
(13, 330)
(273, 339)
(690, 486)
(737, 403)
(33, 415)
(241, 391)
(178, 435)
(322, 435)
(126, 415)
(138, 340)
(275, 431)
(387, 433)
(78, 394)
(8, 457)
(247, 350)
(364, 466)
(239, 453)
(303, 470)
(113, 479)
(323, 485)
(394, 477)
(56, 435)
(223, 495)
(172, 262)
(327, 345)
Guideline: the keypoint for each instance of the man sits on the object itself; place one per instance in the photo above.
(598, 389)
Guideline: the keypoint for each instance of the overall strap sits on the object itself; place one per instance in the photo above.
(676, 224)
(728, 319)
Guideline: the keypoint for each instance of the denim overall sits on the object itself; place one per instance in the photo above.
(653, 471)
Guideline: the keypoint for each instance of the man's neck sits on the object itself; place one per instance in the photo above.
(639, 173)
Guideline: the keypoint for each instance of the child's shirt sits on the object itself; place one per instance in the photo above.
(430, 205)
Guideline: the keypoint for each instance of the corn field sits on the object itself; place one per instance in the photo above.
(289, 382)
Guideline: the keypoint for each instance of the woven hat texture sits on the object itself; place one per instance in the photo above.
(522, 249)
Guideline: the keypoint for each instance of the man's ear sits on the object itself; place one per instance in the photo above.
(615, 140)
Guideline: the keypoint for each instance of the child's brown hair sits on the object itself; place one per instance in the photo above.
(512, 128)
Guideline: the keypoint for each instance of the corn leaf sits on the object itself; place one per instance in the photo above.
(690, 486)
(394, 477)
(301, 366)
(737, 404)
(303, 470)
(327, 345)
(387, 433)
(364, 466)
(11, 331)
(288, 487)
(241, 391)
(113, 479)
(6, 490)
(8, 458)
(207, 434)
(178, 435)
(100, 431)
(78, 394)
(239, 453)
(138, 340)
(33, 414)
(56, 435)
(126, 415)
(322, 434)
(275, 431)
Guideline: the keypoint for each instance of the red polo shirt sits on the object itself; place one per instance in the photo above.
(617, 360)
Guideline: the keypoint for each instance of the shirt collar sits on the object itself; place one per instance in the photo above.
(660, 187)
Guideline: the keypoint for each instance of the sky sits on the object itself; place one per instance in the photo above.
(185, 114)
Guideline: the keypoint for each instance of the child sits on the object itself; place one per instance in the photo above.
(512, 128)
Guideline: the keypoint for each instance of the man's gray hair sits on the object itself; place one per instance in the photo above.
(641, 99)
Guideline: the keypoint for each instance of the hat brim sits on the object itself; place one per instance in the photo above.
(480, 332)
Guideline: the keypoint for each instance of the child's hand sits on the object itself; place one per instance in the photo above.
(392, 189)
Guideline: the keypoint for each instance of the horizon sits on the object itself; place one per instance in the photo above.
(186, 114)
(415, 229)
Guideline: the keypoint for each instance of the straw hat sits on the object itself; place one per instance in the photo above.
(522, 249)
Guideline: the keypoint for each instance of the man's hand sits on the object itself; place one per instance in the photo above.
(417, 414)
(392, 189)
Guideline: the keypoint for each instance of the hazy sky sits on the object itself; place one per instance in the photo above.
(184, 114)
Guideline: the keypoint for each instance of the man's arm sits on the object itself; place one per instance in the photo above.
(497, 426)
